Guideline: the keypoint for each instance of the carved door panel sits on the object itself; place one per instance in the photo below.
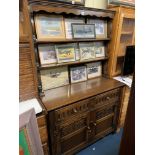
(72, 134)
(102, 121)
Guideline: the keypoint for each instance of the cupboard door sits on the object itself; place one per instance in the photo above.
(102, 121)
(73, 134)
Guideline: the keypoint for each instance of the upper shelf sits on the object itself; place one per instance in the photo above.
(71, 40)
(56, 7)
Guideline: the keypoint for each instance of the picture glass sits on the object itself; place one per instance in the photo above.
(47, 54)
(49, 26)
(87, 51)
(78, 74)
(68, 27)
(100, 26)
(99, 49)
(65, 53)
(94, 69)
(83, 31)
(54, 77)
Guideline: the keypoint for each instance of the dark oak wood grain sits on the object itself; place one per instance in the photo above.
(58, 97)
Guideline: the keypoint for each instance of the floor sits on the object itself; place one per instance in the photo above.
(108, 145)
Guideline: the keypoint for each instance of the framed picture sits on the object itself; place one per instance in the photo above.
(65, 52)
(81, 31)
(29, 138)
(54, 77)
(68, 27)
(87, 51)
(122, 2)
(94, 69)
(79, 2)
(99, 49)
(49, 27)
(78, 74)
(100, 27)
(47, 54)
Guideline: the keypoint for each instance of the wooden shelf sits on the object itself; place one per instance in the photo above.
(72, 63)
(73, 40)
(58, 97)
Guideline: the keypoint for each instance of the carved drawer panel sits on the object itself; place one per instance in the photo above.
(104, 112)
(73, 126)
(73, 110)
(108, 97)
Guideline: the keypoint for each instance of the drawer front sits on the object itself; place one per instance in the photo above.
(72, 110)
(43, 134)
(112, 96)
(101, 113)
(41, 120)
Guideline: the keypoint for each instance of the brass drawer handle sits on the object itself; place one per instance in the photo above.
(88, 127)
(74, 110)
(94, 124)
(108, 98)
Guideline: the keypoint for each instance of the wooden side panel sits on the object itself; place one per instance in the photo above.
(27, 88)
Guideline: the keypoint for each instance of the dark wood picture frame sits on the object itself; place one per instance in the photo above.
(28, 122)
(82, 37)
(121, 2)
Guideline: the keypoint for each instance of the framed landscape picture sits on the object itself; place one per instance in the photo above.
(79, 2)
(100, 27)
(49, 27)
(94, 69)
(99, 49)
(65, 52)
(68, 27)
(29, 138)
(78, 74)
(47, 54)
(54, 77)
(87, 51)
(81, 31)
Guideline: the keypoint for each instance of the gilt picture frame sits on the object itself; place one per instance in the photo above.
(29, 137)
(78, 74)
(83, 31)
(47, 54)
(94, 69)
(49, 27)
(66, 52)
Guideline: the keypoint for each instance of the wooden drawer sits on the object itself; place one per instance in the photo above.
(73, 110)
(112, 96)
(43, 134)
(41, 120)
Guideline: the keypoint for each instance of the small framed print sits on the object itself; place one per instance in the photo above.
(79, 2)
(100, 27)
(94, 69)
(87, 51)
(55, 77)
(78, 74)
(81, 31)
(65, 52)
(47, 54)
(49, 27)
(68, 27)
(99, 49)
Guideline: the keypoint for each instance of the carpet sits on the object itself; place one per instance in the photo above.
(108, 145)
